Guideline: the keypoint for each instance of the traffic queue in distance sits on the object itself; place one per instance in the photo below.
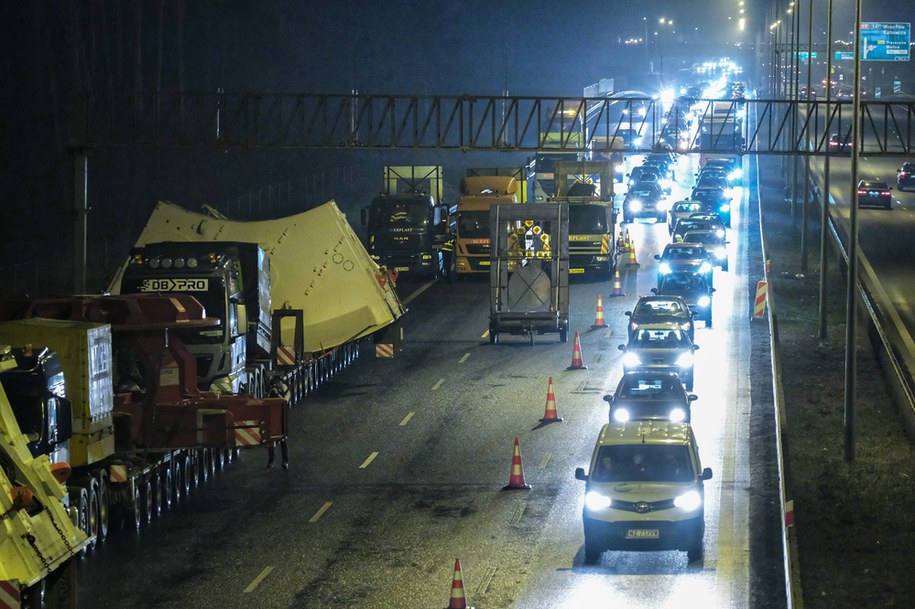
(645, 485)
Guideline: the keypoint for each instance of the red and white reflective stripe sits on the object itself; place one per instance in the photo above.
(247, 433)
(118, 473)
(384, 350)
(285, 356)
(10, 595)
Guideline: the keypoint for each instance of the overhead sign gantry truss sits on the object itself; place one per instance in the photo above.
(480, 123)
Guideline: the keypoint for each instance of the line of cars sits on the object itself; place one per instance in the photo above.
(645, 486)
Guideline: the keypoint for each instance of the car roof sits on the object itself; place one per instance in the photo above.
(644, 432)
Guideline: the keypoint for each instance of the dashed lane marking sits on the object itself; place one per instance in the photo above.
(438, 384)
(320, 512)
(407, 418)
(545, 460)
(464, 359)
(369, 460)
(257, 580)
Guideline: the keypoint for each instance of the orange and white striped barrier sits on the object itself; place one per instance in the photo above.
(550, 415)
(599, 321)
(762, 289)
(617, 286)
(577, 363)
(458, 600)
(247, 433)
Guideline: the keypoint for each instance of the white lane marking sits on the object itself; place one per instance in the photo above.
(545, 460)
(320, 512)
(257, 580)
(419, 291)
(464, 359)
(369, 460)
(438, 384)
(407, 418)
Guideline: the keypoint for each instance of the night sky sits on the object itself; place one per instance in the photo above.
(51, 50)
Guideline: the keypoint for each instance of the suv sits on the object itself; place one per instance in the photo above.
(646, 395)
(716, 198)
(731, 166)
(694, 289)
(684, 209)
(715, 244)
(905, 176)
(644, 199)
(661, 348)
(661, 309)
(685, 257)
(645, 490)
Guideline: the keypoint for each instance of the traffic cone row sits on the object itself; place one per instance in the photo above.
(617, 286)
(550, 415)
(632, 260)
(458, 599)
(599, 318)
(516, 475)
(577, 363)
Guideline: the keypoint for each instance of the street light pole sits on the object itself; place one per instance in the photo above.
(824, 212)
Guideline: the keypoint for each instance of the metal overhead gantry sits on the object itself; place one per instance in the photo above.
(471, 123)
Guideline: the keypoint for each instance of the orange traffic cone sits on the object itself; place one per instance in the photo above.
(620, 243)
(632, 260)
(628, 245)
(516, 476)
(599, 318)
(550, 416)
(458, 601)
(617, 286)
(577, 364)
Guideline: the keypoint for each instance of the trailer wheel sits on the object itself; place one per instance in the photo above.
(211, 460)
(79, 501)
(147, 501)
(203, 465)
(177, 483)
(104, 503)
(219, 455)
(167, 494)
(193, 457)
(185, 465)
(158, 499)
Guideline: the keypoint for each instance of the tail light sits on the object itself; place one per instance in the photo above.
(886, 193)
(862, 192)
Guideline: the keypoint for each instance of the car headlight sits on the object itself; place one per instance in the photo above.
(720, 253)
(685, 360)
(719, 232)
(725, 207)
(677, 415)
(690, 501)
(705, 301)
(685, 326)
(705, 267)
(664, 268)
(620, 415)
(635, 205)
(597, 501)
(631, 360)
(735, 174)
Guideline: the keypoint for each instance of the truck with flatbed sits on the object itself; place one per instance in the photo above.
(300, 294)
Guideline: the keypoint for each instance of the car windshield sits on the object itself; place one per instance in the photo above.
(643, 463)
(400, 214)
(658, 307)
(684, 253)
(688, 207)
(662, 338)
(650, 388)
(702, 237)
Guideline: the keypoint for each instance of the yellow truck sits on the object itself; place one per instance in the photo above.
(472, 234)
(39, 538)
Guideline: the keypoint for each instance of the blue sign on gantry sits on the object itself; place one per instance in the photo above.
(885, 41)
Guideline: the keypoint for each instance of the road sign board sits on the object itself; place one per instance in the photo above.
(841, 55)
(885, 41)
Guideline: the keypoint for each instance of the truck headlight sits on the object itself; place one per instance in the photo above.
(620, 415)
(719, 232)
(705, 301)
(685, 360)
(630, 360)
(690, 501)
(705, 267)
(735, 174)
(597, 501)
(635, 205)
(725, 207)
(677, 415)
(664, 268)
(720, 253)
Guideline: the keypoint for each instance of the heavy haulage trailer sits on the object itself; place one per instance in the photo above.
(107, 384)
(299, 294)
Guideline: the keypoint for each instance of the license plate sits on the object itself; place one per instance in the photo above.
(872, 193)
(402, 268)
(484, 263)
(642, 534)
(576, 271)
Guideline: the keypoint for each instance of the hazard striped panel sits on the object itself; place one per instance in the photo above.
(118, 473)
(604, 244)
(10, 597)
(285, 356)
(762, 287)
(247, 433)
(384, 350)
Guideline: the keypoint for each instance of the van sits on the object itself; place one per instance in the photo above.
(644, 490)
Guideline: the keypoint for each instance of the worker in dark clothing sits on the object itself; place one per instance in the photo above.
(278, 389)
(447, 257)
